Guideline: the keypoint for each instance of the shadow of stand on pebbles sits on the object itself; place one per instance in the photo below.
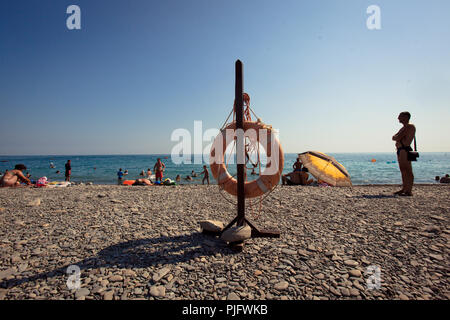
(140, 253)
(376, 196)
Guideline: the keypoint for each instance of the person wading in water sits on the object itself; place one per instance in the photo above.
(159, 169)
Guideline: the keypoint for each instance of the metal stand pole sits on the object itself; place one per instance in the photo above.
(240, 143)
(240, 220)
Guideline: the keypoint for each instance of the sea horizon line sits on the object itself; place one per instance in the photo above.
(196, 154)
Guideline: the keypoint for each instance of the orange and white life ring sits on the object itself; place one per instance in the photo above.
(268, 179)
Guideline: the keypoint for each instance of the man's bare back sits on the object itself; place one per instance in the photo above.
(296, 177)
(12, 178)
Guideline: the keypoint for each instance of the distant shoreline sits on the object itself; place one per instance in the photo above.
(168, 154)
(214, 184)
(364, 169)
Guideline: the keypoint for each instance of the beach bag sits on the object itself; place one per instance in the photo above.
(42, 182)
(413, 155)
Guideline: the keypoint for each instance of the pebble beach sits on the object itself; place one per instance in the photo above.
(146, 243)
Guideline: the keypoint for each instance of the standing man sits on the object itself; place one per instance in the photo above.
(159, 169)
(206, 175)
(403, 139)
(120, 175)
(68, 170)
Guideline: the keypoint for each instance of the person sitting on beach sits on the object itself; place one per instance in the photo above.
(291, 179)
(178, 178)
(159, 169)
(142, 182)
(297, 166)
(188, 178)
(297, 178)
(445, 179)
(437, 178)
(142, 173)
(149, 173)
(206, 175)
(193, 174)
(12, 178)
(305, 177)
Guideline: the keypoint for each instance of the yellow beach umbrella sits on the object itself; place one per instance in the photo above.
(326, 168)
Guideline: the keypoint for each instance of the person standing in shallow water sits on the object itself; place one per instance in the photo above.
(159, 169)
(206, 175)
(68, 170)
(120, 176)
(403, 139)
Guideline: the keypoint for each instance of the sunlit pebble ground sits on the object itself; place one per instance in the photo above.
(144, 243)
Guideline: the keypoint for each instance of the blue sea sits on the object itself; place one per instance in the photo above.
(102, 169)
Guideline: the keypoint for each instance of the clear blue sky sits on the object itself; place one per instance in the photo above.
(137, 70)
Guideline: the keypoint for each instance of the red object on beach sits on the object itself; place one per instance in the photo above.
(42, 182)
(128, 182)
